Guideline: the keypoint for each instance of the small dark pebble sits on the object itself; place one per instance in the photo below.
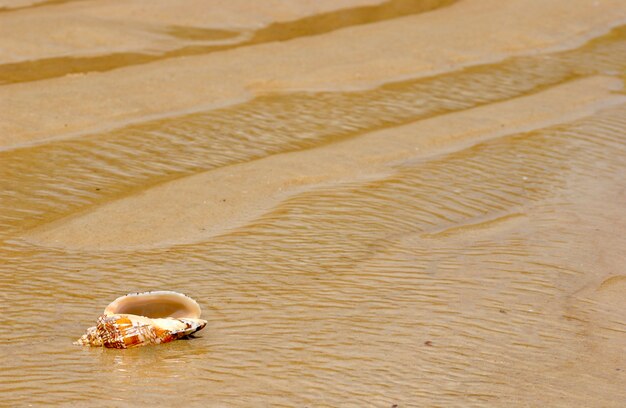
(502, 311)
(394, 406)
(428, 343)
(97, 189)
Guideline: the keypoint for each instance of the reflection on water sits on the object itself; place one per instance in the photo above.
(466, 279)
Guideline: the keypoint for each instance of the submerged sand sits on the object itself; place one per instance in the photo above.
(375, 203)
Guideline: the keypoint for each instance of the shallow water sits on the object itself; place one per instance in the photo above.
(314, 25)
(487, 275)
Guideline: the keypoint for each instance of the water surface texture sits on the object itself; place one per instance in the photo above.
(452, 237)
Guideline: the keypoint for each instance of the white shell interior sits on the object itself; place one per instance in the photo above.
(157, 304)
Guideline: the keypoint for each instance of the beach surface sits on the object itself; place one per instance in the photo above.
(376, 203)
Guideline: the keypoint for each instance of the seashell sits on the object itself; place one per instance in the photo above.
(139, 319)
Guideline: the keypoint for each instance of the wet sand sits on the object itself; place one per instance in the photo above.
(375, 203)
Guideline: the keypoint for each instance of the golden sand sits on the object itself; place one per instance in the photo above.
(376, 203)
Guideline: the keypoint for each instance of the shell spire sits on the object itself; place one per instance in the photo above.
(140, 319)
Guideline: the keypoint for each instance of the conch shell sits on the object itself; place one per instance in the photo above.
(139, 319)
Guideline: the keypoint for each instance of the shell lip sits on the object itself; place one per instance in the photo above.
(155, 304)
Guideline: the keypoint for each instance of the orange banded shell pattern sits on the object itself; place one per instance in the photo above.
(126, 331)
